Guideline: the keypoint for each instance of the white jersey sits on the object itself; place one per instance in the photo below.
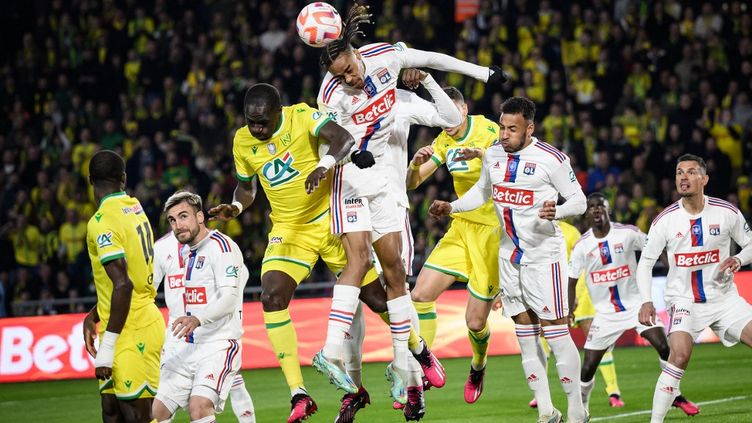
(213, 263)
(519, 183)
(413, 110)
(169, 265)
(367, 113)
(610, 265)
(696, 245)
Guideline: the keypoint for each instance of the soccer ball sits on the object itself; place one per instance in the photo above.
(319, 24)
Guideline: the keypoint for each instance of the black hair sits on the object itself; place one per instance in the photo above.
(597, 195)
(106, 166)
(692, 158)
(357, 15)
(520, 105)
(454, 94)
(262, 94)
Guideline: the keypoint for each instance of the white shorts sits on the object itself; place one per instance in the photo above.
(205, 370)
(541, 288)
(408, 248)
(726, 316)
(362, 200)
(170, 347)
(608, 327)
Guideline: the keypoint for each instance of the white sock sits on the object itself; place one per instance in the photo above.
(299, 390)
(399, 316)
(344, 302)
(240, 399)
(663, 364)
(665, 391)
(354, 346)
(207, 419)
(587, 389)
(568, 367)
(535, 370)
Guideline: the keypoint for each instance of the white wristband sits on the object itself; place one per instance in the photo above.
(106, 353)
(239, 205)
(327, 162)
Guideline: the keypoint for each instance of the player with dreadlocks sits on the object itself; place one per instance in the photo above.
(359, 92)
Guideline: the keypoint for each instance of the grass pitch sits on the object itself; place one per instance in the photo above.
(719, 378)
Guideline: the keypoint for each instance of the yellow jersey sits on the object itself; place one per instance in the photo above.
(120, 229)
(571, 235)
(283, 162)
(481, 133)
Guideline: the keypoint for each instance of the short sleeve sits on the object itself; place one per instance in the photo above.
(243, 170)
(107, 238)
(576, 261)
(314, 120)
(439, 152)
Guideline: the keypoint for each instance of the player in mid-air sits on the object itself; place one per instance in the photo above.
(131, 329)
(359, 91)
(410, 109)
(696, 233)
(169, 270)
(280, 147)
(198, 375)
(525, 176)
(463, 252)
(606, 256)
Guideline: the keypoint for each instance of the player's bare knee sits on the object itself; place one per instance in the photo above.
(679, 357)
(475, 323)
(200, 407)
(272, 302)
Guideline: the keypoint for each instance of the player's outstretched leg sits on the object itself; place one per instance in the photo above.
(277, 289)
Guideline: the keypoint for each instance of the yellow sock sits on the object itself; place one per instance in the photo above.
(479, 344)
(427, 316)
(608, 371)
(413, 342)
(284, 340)
(546, 348)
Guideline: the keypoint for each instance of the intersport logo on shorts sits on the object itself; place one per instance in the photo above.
(517, 197)
(697, 259)
(611, 275)
(375, 110)
(195, 295)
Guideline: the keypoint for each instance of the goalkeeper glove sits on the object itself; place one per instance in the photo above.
(496, 76)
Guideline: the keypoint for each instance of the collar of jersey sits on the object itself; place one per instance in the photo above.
(704, 205)
(469, 129)
(196, 247)
(281, 123)
(112, 195)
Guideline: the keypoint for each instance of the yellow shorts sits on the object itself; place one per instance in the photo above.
(469, 252)
(295, 248)
(135, 369)
(585, 308)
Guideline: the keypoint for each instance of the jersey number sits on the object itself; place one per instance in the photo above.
(144, 231)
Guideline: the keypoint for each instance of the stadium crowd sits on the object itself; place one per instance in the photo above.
(624, 87)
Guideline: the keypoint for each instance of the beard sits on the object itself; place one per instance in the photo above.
(189, 236)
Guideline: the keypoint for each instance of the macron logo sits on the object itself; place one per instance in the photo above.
(376, 110)
(697, 259)
(517, 197)
(195, 295)
(611, 275)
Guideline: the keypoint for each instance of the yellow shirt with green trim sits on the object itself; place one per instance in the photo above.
(120, 229)
(481, 133)
(283, 162)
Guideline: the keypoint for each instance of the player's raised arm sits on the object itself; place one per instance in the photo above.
(445, 113)
(421, 58)
(122, 290)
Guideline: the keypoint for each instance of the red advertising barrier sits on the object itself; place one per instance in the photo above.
(52, 347)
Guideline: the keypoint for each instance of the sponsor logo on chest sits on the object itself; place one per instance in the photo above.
(376, 110)
(195, 295)
(175, 281)
(516, 197)
(610, 275)
(702, 258)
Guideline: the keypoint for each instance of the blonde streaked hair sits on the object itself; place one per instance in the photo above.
(193, 200)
